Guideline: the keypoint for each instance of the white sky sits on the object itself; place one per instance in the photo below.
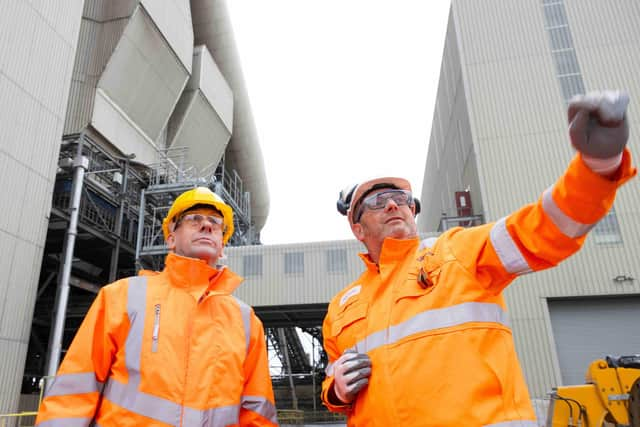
(341, 91)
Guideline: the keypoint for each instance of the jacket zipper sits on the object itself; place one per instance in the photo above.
(156, 329)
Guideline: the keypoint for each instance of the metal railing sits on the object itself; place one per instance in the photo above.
(21, 419)
(447, 222)
(24, 418)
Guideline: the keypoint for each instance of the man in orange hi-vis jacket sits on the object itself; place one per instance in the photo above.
(421, 337)
(173, 348)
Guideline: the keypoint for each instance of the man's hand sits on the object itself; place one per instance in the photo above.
(351, 374)
(597, 124)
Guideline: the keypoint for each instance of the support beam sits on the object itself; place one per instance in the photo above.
(80, 166)
(283, 342)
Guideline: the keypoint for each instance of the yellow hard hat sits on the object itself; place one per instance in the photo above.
(199, 196)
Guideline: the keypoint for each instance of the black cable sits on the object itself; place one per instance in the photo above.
(583, 410)
(565, 400)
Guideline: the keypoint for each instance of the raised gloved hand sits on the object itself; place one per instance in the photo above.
(598, 127)
(351, 373)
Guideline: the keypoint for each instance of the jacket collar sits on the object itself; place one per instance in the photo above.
(393, 251)
(185, 272)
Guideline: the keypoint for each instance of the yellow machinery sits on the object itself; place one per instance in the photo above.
(611, 396)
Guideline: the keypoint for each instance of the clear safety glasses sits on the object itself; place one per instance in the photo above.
(195, 220)
(379, 201)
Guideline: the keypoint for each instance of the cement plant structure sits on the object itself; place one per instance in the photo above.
(499, 138)
(144, 98)
(110, 109)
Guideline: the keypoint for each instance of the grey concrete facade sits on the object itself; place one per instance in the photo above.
(500, 131)
(38, 44)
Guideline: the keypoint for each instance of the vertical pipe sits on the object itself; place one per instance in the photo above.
(80, 165)
(313, 371)
(140, 230)
(285, 351)
(115, 252)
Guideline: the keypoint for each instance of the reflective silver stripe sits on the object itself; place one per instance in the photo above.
(128, 397)
(169, 412)
(73, 384)
(220, 417)
(192, 417)
(569, 227)
(435, 319)
(136, 306)
(512, 259)
(514, 423)
(261, 406)
(66, 422)
(245, 310)
(157, 408)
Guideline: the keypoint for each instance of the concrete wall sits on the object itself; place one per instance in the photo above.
(38, 44)
(516, 116)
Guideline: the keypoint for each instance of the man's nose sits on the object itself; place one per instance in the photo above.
(207, 225)
(390, 204)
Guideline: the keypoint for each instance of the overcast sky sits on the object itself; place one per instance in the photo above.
(341, 91)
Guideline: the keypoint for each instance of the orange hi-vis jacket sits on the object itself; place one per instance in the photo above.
(433, 320)
(149, 354)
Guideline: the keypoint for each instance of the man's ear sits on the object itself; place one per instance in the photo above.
(358, 231)
(171, 241)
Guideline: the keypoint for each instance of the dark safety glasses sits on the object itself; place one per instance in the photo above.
(379, 201)
(197, 220)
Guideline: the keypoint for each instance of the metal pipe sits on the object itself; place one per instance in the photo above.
(115, 252)
(283, 343)
(139, 237)
(80, 165)
(313, 371)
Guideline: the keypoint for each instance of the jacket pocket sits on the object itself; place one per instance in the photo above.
(350, 324)
(419, 283)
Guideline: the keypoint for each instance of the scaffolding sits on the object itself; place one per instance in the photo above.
(297, 366)
(166, 181)
(447, 222)
(105, 224)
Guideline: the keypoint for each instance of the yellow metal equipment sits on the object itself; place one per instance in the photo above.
(611, 394)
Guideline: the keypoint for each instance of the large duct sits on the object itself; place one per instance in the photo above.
(212, 27)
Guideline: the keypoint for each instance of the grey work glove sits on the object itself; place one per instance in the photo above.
(597, 123)
(351, 373)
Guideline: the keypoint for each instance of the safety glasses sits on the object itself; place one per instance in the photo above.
(379, 201)
(195, 220)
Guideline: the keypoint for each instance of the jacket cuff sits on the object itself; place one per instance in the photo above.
(586, 196)
(625, 171)
(332, 406)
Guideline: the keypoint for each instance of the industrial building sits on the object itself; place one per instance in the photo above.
(119, 105)
(499, 138)
(110, 109)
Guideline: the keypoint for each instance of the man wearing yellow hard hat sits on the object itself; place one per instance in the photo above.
(173, 347)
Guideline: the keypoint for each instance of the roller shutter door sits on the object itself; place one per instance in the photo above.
(586, 329)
